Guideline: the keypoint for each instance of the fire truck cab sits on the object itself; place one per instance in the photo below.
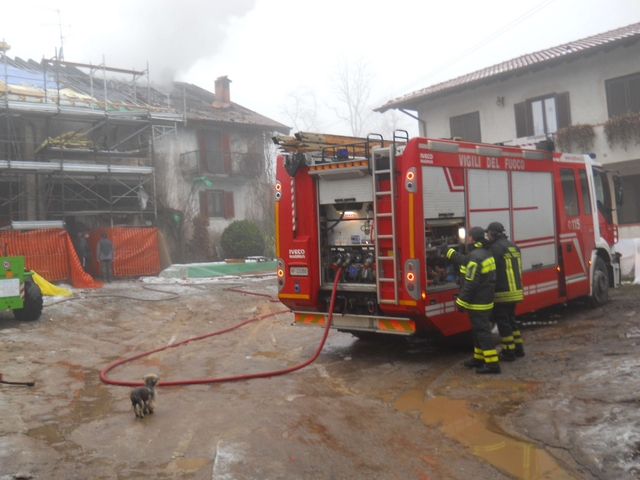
(378, 210)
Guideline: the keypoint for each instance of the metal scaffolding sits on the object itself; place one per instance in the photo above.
(75, 146)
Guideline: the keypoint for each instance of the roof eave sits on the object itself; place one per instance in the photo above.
(412, 103)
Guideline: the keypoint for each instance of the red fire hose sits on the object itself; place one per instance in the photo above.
(103, 373)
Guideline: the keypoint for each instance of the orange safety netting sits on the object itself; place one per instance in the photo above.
(135, 250)
(51, 253)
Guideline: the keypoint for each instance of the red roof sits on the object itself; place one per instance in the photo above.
(529, 62)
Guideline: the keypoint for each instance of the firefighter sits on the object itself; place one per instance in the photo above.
(478, 279)
(508, 291)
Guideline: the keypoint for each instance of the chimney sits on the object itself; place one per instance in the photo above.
(223, 95)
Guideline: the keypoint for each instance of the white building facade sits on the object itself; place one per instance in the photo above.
(533, 97)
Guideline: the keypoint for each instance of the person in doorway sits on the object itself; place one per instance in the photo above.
(508, 291)
(105, 255)
(83, 250)
(478, 280)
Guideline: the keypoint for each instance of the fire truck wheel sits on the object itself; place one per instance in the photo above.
(32, 308)
(600, 293)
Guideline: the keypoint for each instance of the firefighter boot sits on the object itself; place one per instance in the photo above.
(491, 363)
(488, 368)
(519, 350)
(477, 360)
(473, 363)
(507, 355)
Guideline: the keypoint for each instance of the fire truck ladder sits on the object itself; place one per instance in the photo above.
(383, 165)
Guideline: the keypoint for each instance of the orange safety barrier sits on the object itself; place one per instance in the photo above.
(135, 250)
(51, 253)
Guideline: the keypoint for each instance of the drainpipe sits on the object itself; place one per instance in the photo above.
(422, 125)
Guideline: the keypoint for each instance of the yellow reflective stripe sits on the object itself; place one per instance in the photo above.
(450, 252)
(520, 266)
(477, 350)
(474, 306)
(510, 277)
(302, 296)
(478, 356)
(490, 356)
(502, 297)
(463, 270)
(407, 303)
(400, 326)
(309, 318)
(516, 333)
(488, 265)
(470, 272)
(517, 340)
(507, 339)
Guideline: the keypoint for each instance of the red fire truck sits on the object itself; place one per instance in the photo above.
(378, 210)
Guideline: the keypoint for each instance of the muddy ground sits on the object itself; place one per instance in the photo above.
(401, 409)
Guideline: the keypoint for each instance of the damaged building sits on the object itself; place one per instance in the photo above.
(84, 147)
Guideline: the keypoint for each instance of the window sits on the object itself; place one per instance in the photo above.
(568, 179)
(214, 148)
(216, 204)
(603, 194)
(584, 187)
(629, 212)
(623, 95)
(541, 115)
(466, 126)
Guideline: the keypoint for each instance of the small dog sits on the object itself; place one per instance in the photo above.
(143, 399)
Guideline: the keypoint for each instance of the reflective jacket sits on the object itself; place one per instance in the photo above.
(479, 277)
(508, 271)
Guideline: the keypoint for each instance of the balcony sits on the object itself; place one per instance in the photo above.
(617, 154)
(199, 162)
(622, 156)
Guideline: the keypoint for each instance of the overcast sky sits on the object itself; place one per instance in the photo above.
(275, 50)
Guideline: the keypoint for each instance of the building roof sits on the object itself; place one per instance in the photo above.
(81, 89)
(529, 62)
(202, 105)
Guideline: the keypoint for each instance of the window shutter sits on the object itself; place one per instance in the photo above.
(616, 98)
(202, 147)
(456, 128)
(466, 126)
(472, 127)
(226, 152)
(563, 110)
(521, 119)
(204, 205)
(228, 205)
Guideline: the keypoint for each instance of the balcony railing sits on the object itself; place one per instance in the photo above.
(605, 154)
(198, 162)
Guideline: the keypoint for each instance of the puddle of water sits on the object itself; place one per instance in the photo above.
(475, 429)
(187, 465)
(49, 433)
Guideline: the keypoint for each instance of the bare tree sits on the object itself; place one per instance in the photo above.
(302, 109)
(389, 122)
(352, 85)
